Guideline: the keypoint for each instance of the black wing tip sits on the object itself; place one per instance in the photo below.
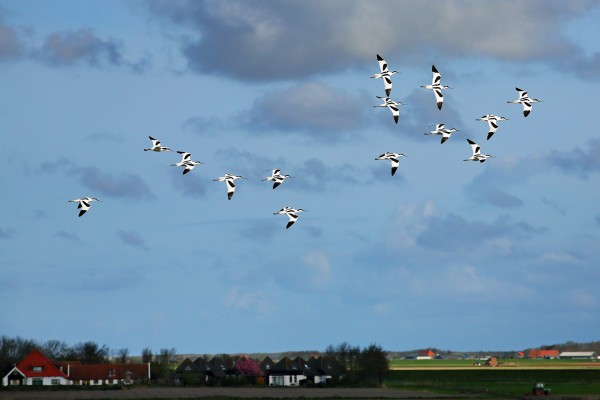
(379, 58)
(443, 140)
(439, 105)
(526, 113)
(434, 69)
(490, 134)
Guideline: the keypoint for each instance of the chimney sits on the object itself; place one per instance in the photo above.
(69, 370)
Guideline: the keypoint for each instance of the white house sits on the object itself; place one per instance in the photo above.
(578, 355)
(35, 369)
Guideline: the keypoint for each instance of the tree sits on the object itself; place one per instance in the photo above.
(13, 350)
(123, 355)
(374, 365)
(248, 367)
(91, 353)
(147, 355)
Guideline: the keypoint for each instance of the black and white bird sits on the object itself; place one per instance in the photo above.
(477, 155)
(394, 158)
(292, 214)
(492, 121)
(392, 105)
(186, 162)
(276, 177)
(437, 87)
(229, 180)
(156, 146)
(84, 204)
(385, 74)
(525, 100)
(440, 129)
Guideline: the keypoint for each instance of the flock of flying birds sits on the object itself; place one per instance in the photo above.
(440, 129)
(278, 178)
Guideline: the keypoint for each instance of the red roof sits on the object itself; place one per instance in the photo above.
(543, 353)
(428, 353)
(108, 371)
(36, 365)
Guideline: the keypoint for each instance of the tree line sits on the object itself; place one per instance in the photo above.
(364, 366)
(14, 349)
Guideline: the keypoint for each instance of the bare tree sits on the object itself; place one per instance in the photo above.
(147, 355)
(123, 355)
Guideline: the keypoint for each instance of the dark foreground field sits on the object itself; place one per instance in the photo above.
(224, 393)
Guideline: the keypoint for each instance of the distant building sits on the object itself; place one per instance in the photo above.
(36, 369)
(578, 355)
(425, 355)
(543, 353)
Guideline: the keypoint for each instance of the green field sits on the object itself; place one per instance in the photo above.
(505, 382)
(504, 363)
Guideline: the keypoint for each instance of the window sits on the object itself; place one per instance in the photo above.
(55, 381)
(37, 369)
(37, 382)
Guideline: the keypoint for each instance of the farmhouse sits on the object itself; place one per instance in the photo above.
(36, 369)
(543, 353)
(578, 355)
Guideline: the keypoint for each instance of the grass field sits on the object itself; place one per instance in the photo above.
(564, 377)
(504, 363)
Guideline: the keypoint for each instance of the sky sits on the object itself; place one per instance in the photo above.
(466, 256)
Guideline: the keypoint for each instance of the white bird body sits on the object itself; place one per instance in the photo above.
(440, 129)
(156, 146)
(477, 155)
(437, 87)
(384, 74)
(84, 204)
(392, 105)
(186, 162)
(394, 158)
(229, 180)
(276, 177)
(492, 121)
(525, 100)
(292, 214)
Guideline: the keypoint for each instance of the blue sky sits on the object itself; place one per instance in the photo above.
(449, 254)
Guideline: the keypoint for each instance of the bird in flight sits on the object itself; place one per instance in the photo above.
(392, 106)
(440, 129)
(477, 155)
(437, 87)
(186, 162)
(384, 74)
(276, 177)
(525, 100)
(492, 121)
(394, 159)
(84, 204)
(292, 214)
(156, 146)
(229, 180)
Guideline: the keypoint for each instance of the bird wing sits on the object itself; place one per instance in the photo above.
(526, 108)
(293, 218)
(185, 156)
(395, 164)
(387, 85)
(439, 98)
(383, 67)
(395, 112)
(437, 77)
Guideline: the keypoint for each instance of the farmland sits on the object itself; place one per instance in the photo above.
(524, 363)
(512, 378)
